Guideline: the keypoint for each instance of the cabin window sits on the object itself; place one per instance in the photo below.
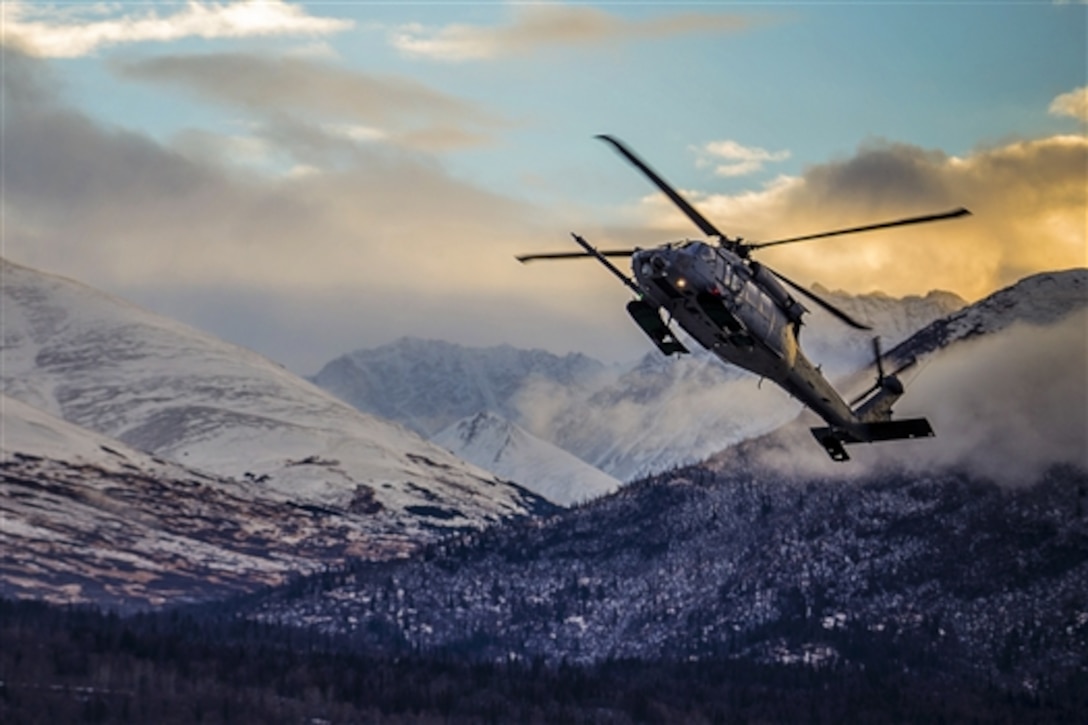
(732, 280)
(764, 305)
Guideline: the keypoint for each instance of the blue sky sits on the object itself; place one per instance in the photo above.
(308, 178)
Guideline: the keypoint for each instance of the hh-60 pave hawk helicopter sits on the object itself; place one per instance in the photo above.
(738, 309)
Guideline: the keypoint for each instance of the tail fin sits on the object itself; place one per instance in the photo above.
(887, 389)
(879, 407)
(874, 415)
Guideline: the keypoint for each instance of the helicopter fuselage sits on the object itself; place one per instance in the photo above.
(739, 310)
(741, 314)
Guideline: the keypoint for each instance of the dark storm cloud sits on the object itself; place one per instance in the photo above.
(879, 176)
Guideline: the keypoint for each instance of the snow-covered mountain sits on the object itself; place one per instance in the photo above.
(162, 387)
(1040, 299)
(504, 448)
(629, 420)
(841, 350)
(427, 385)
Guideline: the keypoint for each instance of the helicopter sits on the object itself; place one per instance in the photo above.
(742, 312)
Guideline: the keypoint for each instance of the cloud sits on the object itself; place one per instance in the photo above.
(1074, 103)
(52, 32)
(118, 204)
(385, 241)
(636, 422)
(1006, 406)
(744, 159)
(532, 28)
(1027, 197)
(396, 109)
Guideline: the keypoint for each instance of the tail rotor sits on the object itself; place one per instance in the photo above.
(884, 381)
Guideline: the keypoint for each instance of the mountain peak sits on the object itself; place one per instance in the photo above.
(429, 384)
(505, 449)
(1039, 299)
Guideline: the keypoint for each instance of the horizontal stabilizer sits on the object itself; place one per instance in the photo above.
(831, 443)
(891, 430)
(834, 439)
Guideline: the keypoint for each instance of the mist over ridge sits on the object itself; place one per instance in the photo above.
(627, 420)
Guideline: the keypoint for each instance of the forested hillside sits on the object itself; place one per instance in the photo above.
(62, 665)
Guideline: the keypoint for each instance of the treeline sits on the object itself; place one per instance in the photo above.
(82, 665)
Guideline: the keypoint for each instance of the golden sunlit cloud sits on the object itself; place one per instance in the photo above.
(1029, 201)
(1074, 103)
(52, 32)
(535, 27)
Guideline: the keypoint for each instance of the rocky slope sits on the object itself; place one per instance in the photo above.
(87, 518)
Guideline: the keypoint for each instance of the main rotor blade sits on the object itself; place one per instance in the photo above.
(821, 302)
(594, 252)
(575, 255)
(700, 221)
(868, 227)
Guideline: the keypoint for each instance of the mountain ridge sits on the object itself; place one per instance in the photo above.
(257, 434)
(1039, 298)
(429, 384)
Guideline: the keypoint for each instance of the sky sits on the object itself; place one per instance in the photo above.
(306, 179)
